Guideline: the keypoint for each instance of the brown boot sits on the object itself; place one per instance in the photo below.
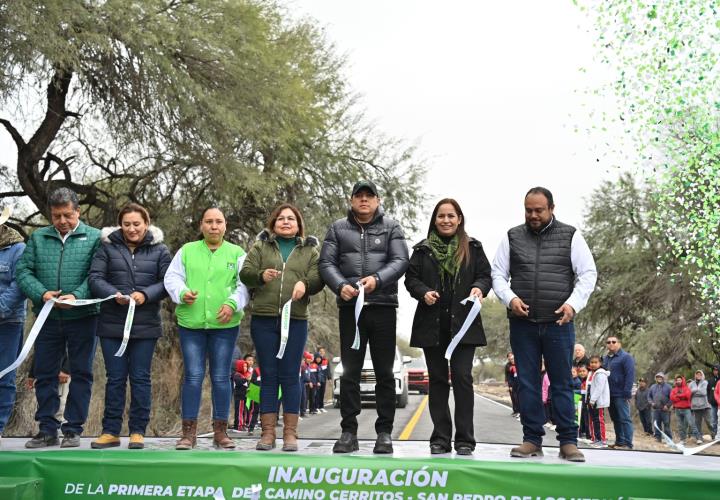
(220, 438)
(267, 438)
(526, 450)
(290, 423)
(189, 435)
(570, 452)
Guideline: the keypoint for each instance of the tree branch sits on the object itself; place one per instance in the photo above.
(19, 141)
(8, 194)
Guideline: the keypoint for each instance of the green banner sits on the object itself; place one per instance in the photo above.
(85, 474)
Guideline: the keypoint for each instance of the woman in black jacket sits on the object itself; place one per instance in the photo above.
(131, 261)
(445, 268)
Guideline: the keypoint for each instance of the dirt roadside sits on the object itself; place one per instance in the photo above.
(498, 392)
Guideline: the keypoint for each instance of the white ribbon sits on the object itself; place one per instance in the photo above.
(43, 315)
(680, 446)
(359, 304)
(284, 328)
(466, 325)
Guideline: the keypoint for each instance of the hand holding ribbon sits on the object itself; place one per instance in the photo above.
(359, 304)
(284, 328)
(466, 325)
(51, 301)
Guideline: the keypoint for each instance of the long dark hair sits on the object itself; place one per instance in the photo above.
(463, 251)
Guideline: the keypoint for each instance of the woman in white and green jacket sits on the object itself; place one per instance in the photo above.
(203, 279)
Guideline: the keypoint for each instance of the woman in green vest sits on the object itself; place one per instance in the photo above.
(281, 266)
(203, 279)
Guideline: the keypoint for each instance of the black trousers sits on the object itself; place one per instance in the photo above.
(439, 393)
(377, 328)
(514, 396)
(321, 396)
(646, 420)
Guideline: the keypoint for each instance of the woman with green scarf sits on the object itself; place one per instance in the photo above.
(445, 268)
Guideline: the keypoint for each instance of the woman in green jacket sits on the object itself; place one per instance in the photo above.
(203, 280)
(281, 266)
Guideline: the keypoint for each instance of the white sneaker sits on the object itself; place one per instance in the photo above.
(698, 441)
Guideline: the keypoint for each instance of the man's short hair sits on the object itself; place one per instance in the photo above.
(543, 191)
(62, 196)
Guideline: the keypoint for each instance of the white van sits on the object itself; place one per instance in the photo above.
(367, 379)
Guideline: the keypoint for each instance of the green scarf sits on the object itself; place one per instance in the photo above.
(446, 255)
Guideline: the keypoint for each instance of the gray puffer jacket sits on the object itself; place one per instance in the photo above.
(352, 251)
(698, 389)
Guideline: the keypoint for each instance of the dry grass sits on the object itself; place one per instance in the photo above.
(167, 375)
(641, 441)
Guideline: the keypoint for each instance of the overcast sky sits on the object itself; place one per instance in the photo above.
(491, 91)
(494, 94)
(498, 96)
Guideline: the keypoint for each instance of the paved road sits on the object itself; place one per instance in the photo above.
(493, 423)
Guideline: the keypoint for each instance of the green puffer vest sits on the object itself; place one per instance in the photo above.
(301, 265)
(50, 264)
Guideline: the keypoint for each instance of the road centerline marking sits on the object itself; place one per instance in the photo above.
(410, 427)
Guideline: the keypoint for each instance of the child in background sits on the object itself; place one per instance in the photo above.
(575, 380)
(241, 380)
(319, 396)
(304, 383)
(547, 402)
(314, 384)
(583, 430)
(599, 399)
(253, 407)
(577, 395)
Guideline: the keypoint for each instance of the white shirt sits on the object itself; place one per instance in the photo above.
(583, 266)
(64, 238)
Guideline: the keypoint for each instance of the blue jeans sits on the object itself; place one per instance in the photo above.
(714, 418)
(662, 419)
(134, 364)
(10, 344)
(684, 420)
(78, 336)
(531, 343)
(215, 345)
(622, 422)
(283, 373)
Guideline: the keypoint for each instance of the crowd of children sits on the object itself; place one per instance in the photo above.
(313, 377)
(593, 396)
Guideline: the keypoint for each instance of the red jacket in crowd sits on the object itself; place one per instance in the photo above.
(681, 395)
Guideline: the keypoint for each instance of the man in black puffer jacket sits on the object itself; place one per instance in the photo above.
(368, 248)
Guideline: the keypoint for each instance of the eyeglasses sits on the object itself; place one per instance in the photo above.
(611, 342)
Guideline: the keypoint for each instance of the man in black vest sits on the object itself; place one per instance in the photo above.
(544, 273)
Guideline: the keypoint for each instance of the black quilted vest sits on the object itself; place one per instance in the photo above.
(541, 271)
